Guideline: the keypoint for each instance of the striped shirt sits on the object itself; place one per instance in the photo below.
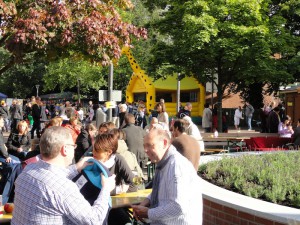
(44, 194)
(179, 195)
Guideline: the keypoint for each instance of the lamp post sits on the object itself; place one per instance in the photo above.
(178, 93)
(37, 90)
(78, 90)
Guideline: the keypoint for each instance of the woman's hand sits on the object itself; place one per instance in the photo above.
(19, 150)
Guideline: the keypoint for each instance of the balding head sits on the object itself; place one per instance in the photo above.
(156, 144)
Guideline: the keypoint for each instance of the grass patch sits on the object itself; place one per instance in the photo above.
(271, 177)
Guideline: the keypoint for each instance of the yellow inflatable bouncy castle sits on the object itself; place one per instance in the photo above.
(142, 87)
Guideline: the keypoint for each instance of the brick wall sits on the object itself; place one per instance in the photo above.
(217, 214)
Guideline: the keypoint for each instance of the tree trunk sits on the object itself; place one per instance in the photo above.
(219, 104)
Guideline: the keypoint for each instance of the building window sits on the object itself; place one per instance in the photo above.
(139, 97)
(189, 96)
(167, 96)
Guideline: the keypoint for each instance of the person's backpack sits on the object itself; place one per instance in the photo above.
(89, 180)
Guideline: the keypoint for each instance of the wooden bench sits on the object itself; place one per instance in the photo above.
(213, 151)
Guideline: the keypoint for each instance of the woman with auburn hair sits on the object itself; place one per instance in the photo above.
(163, 116)
(19, 141)
(105, 151)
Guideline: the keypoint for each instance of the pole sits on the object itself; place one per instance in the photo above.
(178, 92)
(78, 90)
(212, 91)
(37, 90)
(110, 89)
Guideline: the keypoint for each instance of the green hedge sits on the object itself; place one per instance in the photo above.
(272, 177)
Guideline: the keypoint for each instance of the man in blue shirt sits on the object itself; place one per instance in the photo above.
(45, 193)
(176, 197)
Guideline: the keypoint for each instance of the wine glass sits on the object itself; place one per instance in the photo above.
(139, 183)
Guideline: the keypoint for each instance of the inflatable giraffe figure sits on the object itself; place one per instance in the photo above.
(145, 83)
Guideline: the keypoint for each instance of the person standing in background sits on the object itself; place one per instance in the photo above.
(273, 120)
(238, 115)
(134, 139)
(207, 118)
(16, 113)
(249, 110)
(122, 112)
(163, 116)
(4, 113)
(36, 115)
(140, 117)
(90, 112)
(43, 115)
(185, 111)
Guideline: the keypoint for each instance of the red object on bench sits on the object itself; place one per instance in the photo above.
(267, 143)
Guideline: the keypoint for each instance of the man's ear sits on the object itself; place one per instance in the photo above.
(63, 150)
(165, 143)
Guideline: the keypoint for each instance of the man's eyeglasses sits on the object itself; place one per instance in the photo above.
(74, 145)
(149, 146)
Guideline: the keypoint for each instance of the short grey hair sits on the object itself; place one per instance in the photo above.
(161, 134)
(52, 140)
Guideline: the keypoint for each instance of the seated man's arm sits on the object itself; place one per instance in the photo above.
(74, 169)
(79, 211)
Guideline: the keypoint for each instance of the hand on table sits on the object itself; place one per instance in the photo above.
(140, 212)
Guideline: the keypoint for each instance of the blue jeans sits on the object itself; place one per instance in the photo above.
(13, 169)
(249, 122)
(7, 124)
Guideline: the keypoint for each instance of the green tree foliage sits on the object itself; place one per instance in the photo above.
(20, 80)
(91, 28)
(65, 73)
(234, 40)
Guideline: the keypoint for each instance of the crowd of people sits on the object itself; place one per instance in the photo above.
(48, 189)
(45, 191)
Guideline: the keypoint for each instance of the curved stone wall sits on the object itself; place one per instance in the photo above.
(223, 207)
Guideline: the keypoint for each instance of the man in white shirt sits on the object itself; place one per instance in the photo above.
(207, 118)
(176, 197)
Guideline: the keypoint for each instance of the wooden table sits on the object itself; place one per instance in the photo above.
(128, 199)
(118, 201)
(237, 143)
(267, 143)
